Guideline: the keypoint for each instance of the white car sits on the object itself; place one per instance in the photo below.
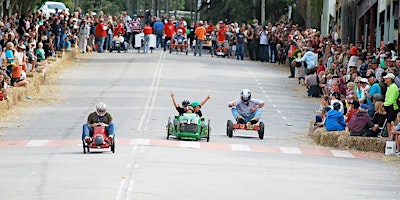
(49, 7)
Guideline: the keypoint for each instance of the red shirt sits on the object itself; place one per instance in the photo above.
(100, 32)
(148, 30)
(169, 30)
(321, 68)
(120, 27)
(221, 35)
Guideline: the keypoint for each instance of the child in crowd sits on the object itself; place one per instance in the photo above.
(67, 44)
(41, 56)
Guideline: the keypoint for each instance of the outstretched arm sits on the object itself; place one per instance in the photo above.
(205, 100)
(173, 100)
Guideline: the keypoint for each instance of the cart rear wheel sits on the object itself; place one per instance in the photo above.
(113, 146)
(208, 131)
(84, 146)
(229, 129)
(261, 131)
(168, 128)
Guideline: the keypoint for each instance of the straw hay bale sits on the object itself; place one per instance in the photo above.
(343, 140)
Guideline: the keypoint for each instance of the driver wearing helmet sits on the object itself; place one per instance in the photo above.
(187, 106)
(246, 109)
(179, 40)
(98, 118)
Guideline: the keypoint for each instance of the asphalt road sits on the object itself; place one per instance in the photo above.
(42, 154)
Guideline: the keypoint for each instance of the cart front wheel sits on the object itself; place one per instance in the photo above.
(261, 131)
(229, 128)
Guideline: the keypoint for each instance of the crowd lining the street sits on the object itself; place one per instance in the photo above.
(359, 90)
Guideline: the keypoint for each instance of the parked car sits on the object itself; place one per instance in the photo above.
(49, 7)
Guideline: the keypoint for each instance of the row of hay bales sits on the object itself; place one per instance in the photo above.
(36, 79)
(342, 140)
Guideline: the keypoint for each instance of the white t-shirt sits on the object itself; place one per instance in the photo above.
(244, 109)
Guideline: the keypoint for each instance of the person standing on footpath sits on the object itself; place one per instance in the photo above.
(147, 32)
(158, 27)
(169, 30)
(390, 104)
(263, 34)
(100, 34)
(84, 31)
(200, 34)
(56, 30)
(240, 44)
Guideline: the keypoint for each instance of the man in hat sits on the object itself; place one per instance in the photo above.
(391, 96)
(374, 89)
(374, 64)
(360, 122)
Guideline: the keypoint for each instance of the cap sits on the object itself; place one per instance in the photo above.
(370, 75)
(353, 51)
(364, 106)
(364, 80)
(21, 46)
(389, 75)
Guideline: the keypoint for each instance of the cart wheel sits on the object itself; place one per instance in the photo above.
(208, 131)
(113, 146)
(84, 146)
(187, 52)
(261, 131)
(229, 129)
(168, 128)
(110, 50)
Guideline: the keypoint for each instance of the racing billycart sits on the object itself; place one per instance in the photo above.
(189, 126)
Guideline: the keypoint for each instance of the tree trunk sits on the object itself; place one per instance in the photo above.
(308, 14)
(167, 8)
(263, 12)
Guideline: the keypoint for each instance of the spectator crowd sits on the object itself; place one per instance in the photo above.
(359, 89)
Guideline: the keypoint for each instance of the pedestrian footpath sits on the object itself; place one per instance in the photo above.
(308, 151)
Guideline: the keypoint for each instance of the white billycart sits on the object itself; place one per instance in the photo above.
(139, 42)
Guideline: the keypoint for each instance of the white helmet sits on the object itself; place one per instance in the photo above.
(179, 31)
(245, 95)
(101, 109)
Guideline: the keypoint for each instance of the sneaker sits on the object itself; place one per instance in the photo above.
(109, 139)
(88, 139)
(254, 120)
(240, 120)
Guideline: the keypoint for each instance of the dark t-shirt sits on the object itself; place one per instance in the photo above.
(182, 110)
(240, 38)
(94, 118)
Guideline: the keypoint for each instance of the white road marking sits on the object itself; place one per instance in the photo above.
(284, 118)
(290, 150)
(37, 143)
(188, 144)
(342, 154)
(279, 111)
(152, 95)
(273, 105)
(270, 101)
(240, 147)
(140, 142)
(121, 188)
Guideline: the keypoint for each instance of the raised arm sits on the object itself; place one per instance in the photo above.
(173, 100)
(205, 100)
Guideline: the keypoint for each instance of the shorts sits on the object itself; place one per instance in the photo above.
(391, 113)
